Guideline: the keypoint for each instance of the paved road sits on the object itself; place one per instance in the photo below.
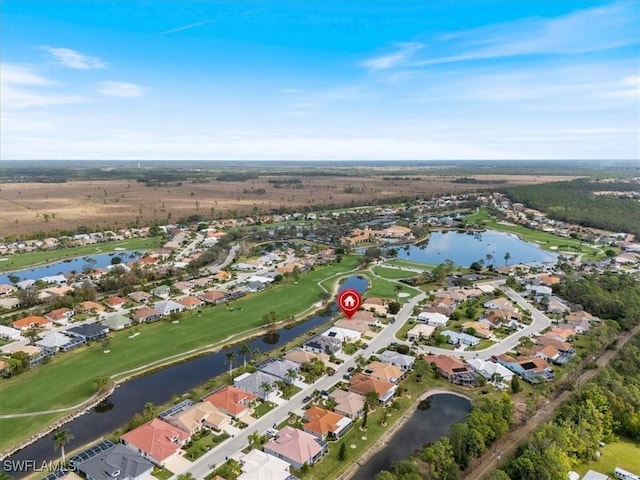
(231, 256)
(201, 467)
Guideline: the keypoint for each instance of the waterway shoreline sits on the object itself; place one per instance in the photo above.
(389, 433)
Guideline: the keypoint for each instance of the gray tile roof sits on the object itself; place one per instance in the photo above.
(118, 458)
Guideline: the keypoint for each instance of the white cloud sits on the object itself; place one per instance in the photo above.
(21, 74)
(404, 52)
(121, 89)
(73, 59)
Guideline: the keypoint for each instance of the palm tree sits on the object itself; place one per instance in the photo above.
(507, 256)
(361, 361)
(149, 411)
(231, 356)
(396, 288)
(292, 373)
(267, 388)
(245, 349)
(61, 437)
(372, 398)
(256, 353)
(489, 258)
(255, 440)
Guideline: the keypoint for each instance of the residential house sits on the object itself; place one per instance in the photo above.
(561, 334)
(481, 329)
(31, 321)
(263, 466)
(167, 307)
(419, 332)
(201, 282)
(384, 371)
(89, 307)
(262, 385)
(296, 447)
(146, 314)
(56, 341)
(492, 371)
(556, 306)
(452, 369)
(550, 354)
(363, 384)
(403, 362)
(342, 334)
(116, 322)
(156, 440)
(323, 344)
(6, 290)
(501, 318)
(8, 333)
(199, 416)
(433, 318)
(593, 475)
(285, 370)
(213, 296)
(348, 404)
(231, 400)
(113, 463)
(360, 326)
(378, 305)
(140, 297)
(184, 287)
(531, 369)
(502, 304)
(90, 332)
(324, 423)
(60, 315)
(115, 302)
(191, 302)
(302, 356)
(161, 291)
(460, 338)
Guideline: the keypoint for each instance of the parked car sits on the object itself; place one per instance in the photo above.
(346, 376)
(307, 399)
(351, 369)
(271, 432)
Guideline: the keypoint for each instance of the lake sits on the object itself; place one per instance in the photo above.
(160, 387)
(102, 260)
(423, 427)
(465, 248)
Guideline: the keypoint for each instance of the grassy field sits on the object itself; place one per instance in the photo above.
(392, 273)
(623, 453)
(380, 287)
(24, 260)
(400, 262)
(67, 379)
(545, 240)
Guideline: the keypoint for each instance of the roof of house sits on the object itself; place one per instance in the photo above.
(499, 303)
(564, 333)
(359, 326)
(384, 371)
(88, 329)
(137, 296)
(459, 337)
(481, 329)
(116, 321)
(533, 364)
(253, 382)
(348, 402)
(30, 320)
(89, 305)
(489, 368)
(390, 356)
(294, 444)
(191, 418)
(212, 295)
(374, 301)
(118, 458)
(114, 301)
(323, 421)
(154, 438)
(278, 367)
(190, 301)
(229, 398)
(302, 356)
(593, 475)
(364, 384)
(447, 364)
(257, 465)
(420, 329)
(59, 314)
(53, 340)
(548, 351)
(145, 312)
(433, 317)
(167, 306)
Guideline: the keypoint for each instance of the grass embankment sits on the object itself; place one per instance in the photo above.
(623, 454)
(67, 378)
(401, 262)
(544, 239)
(25, 260)
(392, 273)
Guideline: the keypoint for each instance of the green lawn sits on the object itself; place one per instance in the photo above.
(393, 274)
(399, 262)
(379, 287)
(545, 240)
(68, 377)
(162, 473)
(24, 260)
(623, 453)
(402, 333)
(262, 409)
(202, 442)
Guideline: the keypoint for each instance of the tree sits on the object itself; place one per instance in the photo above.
(489, 258)
(116, 260)
(372, 399)
(342, 454)
(365, 416)
(361, 362)
(149, 412)
(295, 273)
(498, 475)
(476, 266)
(61, 437)
(292, 373)
(393, 307)
(231, 356)
(255, 354)
(245, 349)
(28, 297)
(515, 385)
(186, 476)
(267, 388)
(507, 257)
(32, 333)
(255, 440)
(439, 458)
(102, 384)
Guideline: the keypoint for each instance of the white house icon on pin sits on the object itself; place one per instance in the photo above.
(349, 302)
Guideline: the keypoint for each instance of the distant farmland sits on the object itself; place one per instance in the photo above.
(31, 207)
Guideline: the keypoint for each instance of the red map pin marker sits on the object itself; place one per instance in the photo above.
(349, 302)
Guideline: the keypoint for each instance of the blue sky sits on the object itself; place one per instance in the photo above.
(336, 80)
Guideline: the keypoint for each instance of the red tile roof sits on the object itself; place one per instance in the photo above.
(231, 399)
(26, 322)
(155, 439)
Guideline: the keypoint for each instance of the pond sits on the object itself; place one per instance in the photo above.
(99, 260)
(427, 425)
(464, 248)
(159, 387)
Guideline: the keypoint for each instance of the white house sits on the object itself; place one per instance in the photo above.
(488, 369)
(342, 334)
(433, 318)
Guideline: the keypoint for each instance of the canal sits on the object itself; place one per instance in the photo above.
(160, 387)
(431, 421)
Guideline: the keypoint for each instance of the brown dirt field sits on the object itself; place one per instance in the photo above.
(27, 208)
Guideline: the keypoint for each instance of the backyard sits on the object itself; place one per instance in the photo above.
(622, 453)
